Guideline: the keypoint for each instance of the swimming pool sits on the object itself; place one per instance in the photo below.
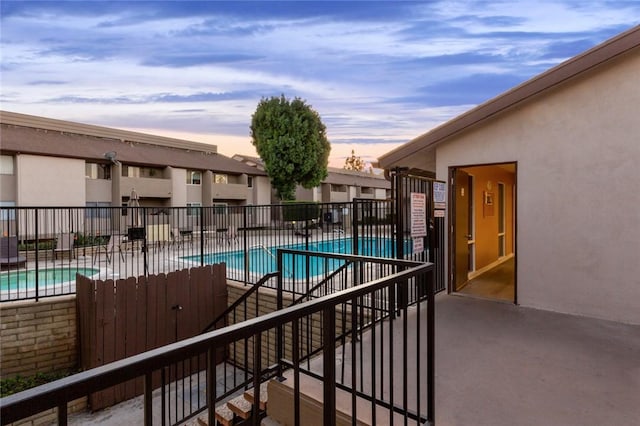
(26, 280)
(263, 260)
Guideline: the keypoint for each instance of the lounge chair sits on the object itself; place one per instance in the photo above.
(115, 242)
(64, 244)
(231, 234)
(9, 255)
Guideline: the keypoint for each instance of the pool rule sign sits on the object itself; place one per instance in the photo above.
(418, 220)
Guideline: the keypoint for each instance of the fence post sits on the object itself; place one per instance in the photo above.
(245, 241)
(279, 334)
(354, 227)
(37, 255)
(201, 235)
(329, 365)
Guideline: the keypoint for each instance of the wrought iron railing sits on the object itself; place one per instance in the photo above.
(376, 333)
(52, 244)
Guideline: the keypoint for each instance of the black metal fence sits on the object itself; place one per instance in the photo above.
(385, 347)
(44, 247)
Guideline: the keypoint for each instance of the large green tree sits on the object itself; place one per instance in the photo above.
(291, 140)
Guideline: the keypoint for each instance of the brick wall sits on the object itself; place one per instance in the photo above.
(37, 336)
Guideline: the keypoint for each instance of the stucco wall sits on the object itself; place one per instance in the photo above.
(41, 179)
(578, 235)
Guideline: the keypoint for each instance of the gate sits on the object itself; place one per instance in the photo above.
(125, 317)
(419, 204)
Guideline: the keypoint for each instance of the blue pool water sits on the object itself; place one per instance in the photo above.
(263, 260)
(26, 280)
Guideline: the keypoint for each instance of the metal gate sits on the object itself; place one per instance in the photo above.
(419, 220)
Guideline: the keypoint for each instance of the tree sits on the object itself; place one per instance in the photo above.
(354, 163)
(291, 140)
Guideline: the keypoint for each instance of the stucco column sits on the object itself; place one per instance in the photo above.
(207, 189)
(116, 177)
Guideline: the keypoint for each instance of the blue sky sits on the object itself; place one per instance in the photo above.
(379, 73)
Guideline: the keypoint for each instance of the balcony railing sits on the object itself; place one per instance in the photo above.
(380, 323)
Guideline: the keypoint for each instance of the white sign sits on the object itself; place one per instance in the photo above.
(439, 192)
(438, 213)
(418, 214)
(418, 245)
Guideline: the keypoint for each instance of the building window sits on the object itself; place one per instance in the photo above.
(193, 209)
(366, 190)
(7, 213)
(97, 209)
(194, 177)
(220, 208)
(142, 172)
(250, 182)
(217, 178)
(97, 171)
(338, 188)
(6, 164)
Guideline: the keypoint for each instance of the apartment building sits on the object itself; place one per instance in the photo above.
(47, 162)
(340, 185)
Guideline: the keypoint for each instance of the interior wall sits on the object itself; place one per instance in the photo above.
(486, 179)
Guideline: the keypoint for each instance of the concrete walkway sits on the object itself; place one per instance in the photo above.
(500, 364)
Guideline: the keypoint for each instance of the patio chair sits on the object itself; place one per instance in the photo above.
(9, 255)
(64, 244)
(231, 234)
(115, 241)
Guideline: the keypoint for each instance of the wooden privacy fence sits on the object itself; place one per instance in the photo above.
(118, 319)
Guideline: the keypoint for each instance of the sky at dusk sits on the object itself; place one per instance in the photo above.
(379, 73)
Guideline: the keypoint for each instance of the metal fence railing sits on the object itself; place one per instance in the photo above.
(359, 342)
(44, 247)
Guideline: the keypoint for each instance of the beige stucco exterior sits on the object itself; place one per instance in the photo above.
(49, 181)
(578, 205)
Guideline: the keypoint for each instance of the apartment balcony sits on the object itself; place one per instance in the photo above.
(147, 187)
(230, 191)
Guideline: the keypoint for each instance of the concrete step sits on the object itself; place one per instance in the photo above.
(240, 406)
(223, 415)
(268, 421)
(248, 394)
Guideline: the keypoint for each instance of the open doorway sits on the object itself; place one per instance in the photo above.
(483, 244)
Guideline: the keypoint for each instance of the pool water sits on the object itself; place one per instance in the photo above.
(263, 260)
(26, 280)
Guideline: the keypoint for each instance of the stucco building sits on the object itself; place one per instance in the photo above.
(48, 162)
(545, 176)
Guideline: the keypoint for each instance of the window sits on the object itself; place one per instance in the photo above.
(366, 190)
(338, 188)
(250, 182)
(220, 208)
(97, 171)
(220, 178)
(142, 172)
(194, 177)
(6, 164)
(96, 209)
(7, 213)
(193, 209)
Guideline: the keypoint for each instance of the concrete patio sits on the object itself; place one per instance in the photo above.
(500, 364)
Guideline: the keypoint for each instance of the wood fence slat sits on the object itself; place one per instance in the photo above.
(131, 330)
(109, 350)
(120, 332)
(152, 322)
(141, 326)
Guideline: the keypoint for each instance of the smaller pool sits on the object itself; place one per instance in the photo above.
(26, 280)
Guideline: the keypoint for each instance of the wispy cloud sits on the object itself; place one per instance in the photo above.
(379, 73)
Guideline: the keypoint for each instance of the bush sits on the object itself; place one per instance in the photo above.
(11, 385)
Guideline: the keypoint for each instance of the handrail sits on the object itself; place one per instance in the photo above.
(323, 282)
(241, 299)
(58, 393)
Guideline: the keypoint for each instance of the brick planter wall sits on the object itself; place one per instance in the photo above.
(38, 337)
